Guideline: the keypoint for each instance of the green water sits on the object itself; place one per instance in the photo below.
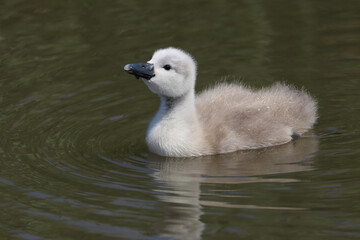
(73, 160)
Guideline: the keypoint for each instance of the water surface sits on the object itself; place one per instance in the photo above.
(74, 164)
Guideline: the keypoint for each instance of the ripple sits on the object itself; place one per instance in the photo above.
(73, 158)
(90, 226)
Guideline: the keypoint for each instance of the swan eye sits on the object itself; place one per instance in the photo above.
(167, 67)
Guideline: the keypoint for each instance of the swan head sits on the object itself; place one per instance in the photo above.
(171, 72)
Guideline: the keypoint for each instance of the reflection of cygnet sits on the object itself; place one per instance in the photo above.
(179, 181)
(223, 119)
(237, 167)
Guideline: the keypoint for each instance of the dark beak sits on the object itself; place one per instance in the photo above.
(143, 70)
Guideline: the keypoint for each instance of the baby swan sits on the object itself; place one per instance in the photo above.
(223, 119)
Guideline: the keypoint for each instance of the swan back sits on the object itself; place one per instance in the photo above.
(243, 118)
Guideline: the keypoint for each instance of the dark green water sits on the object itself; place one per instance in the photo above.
(73, 160)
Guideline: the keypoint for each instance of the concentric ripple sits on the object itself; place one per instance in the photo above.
(73, 161)
(69, 151)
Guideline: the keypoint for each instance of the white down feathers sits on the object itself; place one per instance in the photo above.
(225, 118)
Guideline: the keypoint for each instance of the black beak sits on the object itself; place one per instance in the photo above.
(143, 70)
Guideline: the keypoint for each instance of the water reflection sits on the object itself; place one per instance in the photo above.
(179, 188)
(73, 123)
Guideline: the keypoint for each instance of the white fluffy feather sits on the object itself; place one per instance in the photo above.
(222, 119)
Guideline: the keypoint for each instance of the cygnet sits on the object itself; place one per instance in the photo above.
(222, 119)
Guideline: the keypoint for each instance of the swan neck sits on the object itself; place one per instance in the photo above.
(185, 102)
